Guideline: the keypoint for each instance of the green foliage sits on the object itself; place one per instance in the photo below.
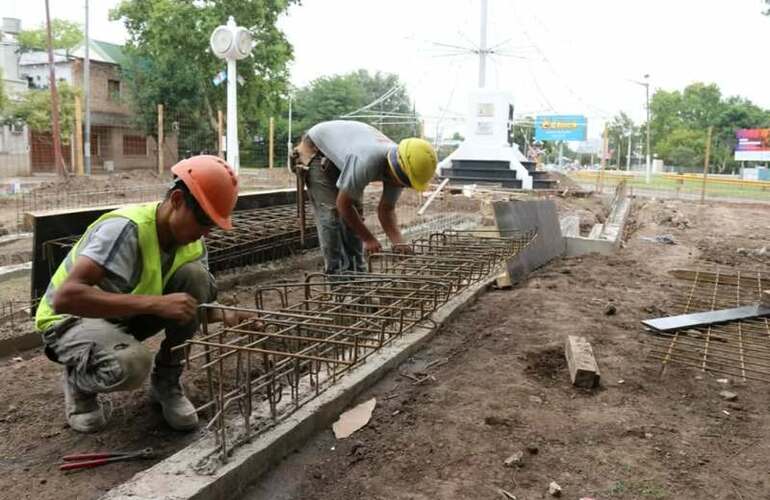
(3, 95)
(34, 108)
(65, 35)
(171, 63)
(619, 129)
(330, 97)
(680, 120)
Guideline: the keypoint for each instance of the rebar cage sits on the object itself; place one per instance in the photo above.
(741, 348)
(303, 336)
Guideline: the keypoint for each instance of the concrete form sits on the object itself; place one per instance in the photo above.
(540, 216)
(604, 238)
(52, 224)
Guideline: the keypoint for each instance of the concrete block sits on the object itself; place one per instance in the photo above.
(583, 370)
(503, 281)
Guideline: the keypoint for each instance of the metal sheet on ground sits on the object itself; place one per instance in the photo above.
(683, 321)
(540, 216)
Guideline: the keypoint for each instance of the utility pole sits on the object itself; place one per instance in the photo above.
(86, 91)
(649, 157)
(706, 166)
(628, 158)
(58, 159)
(483, 46)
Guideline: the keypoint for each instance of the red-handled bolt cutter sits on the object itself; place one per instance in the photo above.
(86, 460)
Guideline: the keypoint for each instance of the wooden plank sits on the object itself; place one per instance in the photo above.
(583, 370)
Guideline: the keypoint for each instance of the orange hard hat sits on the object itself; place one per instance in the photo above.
(212, 183)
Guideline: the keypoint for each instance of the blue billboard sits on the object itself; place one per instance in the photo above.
(560, 128)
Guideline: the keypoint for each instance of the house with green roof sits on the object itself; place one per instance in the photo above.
(116, 143)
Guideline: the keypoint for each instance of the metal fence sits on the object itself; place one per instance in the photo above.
(676, 186)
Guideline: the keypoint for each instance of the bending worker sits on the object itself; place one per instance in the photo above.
(342, 158)
(135, 271)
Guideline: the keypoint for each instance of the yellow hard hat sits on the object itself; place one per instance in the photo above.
(416, 159)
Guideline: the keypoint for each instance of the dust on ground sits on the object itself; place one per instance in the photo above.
(501, 387)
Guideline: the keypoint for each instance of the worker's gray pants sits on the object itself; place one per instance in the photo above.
(342, 248)
(106, 356)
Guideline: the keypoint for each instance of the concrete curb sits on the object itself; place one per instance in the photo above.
(175, 479)
(15, 271)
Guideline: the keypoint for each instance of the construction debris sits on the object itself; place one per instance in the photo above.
(515, 460)
(354, 419)
(583, 370)
(554, 489)
(728, 395)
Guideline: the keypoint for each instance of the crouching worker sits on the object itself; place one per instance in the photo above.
(137, 270)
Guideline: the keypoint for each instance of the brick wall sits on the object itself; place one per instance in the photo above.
(100, 75)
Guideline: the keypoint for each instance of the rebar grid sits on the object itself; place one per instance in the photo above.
(259, 235)
(295, 348)
(739, 348)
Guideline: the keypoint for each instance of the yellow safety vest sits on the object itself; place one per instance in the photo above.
(151, 282)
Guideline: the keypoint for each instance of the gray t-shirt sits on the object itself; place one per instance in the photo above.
(114, 244)
(360, 153)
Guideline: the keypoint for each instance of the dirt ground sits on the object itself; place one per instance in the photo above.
(503, 389)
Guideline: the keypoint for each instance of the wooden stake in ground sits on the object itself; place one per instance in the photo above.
(270, 147)
(55, 130)
(78, 138)
(160, 139)
(706, 166)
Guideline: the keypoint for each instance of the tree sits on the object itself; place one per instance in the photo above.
(619, 130)
(170, 62)
(331, 97)
(3, 96)
(680, 120)
(65, 35)
(34, 108)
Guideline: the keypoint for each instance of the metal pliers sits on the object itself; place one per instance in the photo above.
(87, 460)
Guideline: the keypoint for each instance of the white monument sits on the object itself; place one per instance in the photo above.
(489, 135)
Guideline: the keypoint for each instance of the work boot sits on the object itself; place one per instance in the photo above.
(84, 411)
(166, 390)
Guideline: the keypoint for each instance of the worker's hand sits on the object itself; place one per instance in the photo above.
(179, 307)
(372, 246)
(403, 248)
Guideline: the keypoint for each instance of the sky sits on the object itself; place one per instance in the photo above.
(553, 56)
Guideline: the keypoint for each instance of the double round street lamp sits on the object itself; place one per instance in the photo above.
(231, 43)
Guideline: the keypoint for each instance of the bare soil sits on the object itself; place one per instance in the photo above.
(502, 387)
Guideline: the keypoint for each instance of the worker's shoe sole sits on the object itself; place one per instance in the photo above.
(84, 411)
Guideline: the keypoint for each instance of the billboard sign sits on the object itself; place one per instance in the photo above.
(753, 144)
(560, 128)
